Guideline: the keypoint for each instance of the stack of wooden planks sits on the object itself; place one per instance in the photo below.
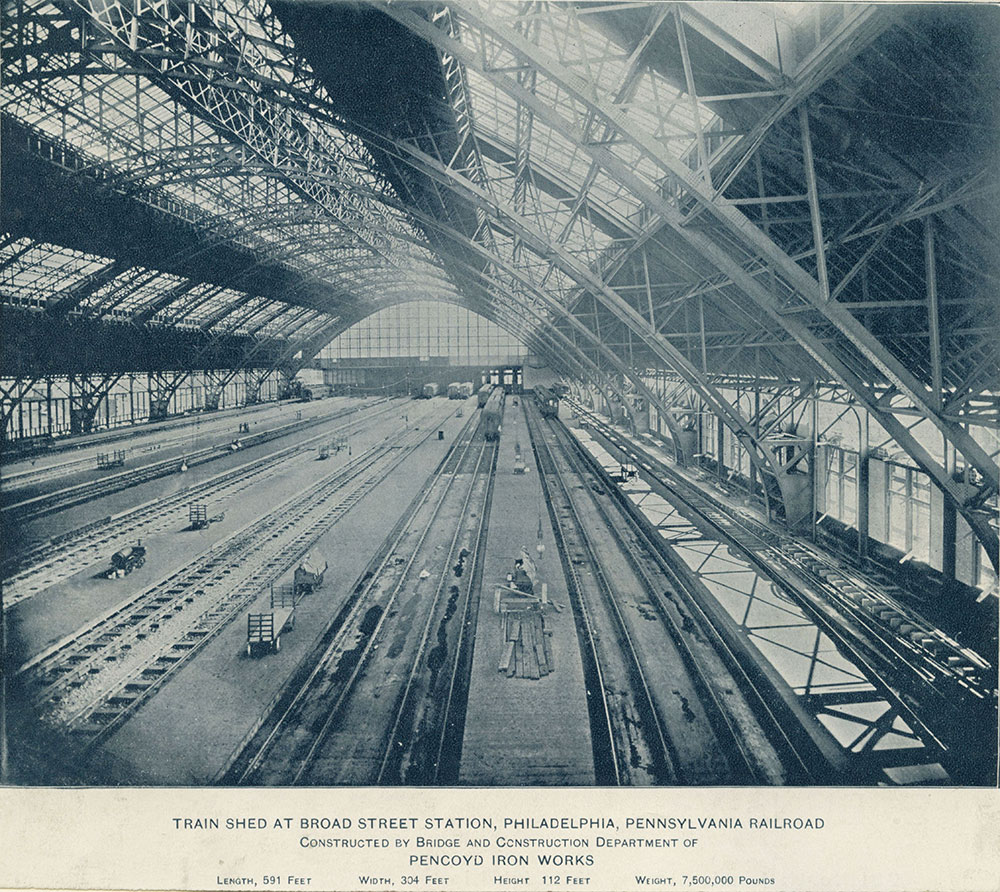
(526, 652)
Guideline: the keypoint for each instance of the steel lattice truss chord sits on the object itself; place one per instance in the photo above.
(622, 187)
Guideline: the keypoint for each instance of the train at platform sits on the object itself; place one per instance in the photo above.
(548, 402)
(460, 390)
(493, 414)
(429, 390)
(484, 394)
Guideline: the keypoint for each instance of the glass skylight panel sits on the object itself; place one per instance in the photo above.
(275, 327)
(285, 324)
(106, 126)
(239, 320)
(44, 270)
(210, 307)
(120, 285)
(147, 292)
(309, 328)
(268, 312)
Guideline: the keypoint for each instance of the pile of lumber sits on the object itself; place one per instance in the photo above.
(526, 652)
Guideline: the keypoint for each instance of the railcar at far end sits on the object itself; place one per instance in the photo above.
(493, 415)
(484, 394)
(548, 402)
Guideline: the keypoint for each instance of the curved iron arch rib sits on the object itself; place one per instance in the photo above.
(799, 281)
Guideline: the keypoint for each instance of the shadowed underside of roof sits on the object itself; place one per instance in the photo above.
(731, 192)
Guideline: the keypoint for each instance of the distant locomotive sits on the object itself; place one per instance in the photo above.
(429, 391)
(548, 402)
(484, 394)
(493, 414)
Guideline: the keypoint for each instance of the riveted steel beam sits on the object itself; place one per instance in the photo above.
(543, 247)
(737, 226)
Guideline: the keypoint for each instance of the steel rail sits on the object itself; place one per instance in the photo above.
(665, 767)
(719, 716)
(453, 715)
(69, 659)
(348, 688)
(49, 503)
(110, 531)
(389, 758)
(801, 764)
(912, 690)
(319, 681)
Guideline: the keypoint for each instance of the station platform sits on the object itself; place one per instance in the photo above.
(20, 537)
(146, 445)
(861, 731)
(189, 730)
(49, 615)
(524, 731)
(97, 441)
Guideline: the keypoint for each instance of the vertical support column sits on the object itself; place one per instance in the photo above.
(864, 487)
(703, 160)
(85, 400)
(213, 390)
(756, 425)
(649, 292)
(162, 386)
(720, 443)
(48, 403)
(813, 443)
(701, 334)
(932, 311)
(949, 524)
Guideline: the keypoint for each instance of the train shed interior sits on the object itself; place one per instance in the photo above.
(710, 290)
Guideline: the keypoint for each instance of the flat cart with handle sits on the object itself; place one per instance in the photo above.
(264, 629)
(107, 460)
(197, 516)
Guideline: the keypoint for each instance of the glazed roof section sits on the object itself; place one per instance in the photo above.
(227, 167)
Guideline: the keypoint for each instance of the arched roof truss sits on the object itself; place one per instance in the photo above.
(625, 186)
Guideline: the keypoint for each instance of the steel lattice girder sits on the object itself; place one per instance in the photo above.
(177, 52)
(264, 114)
(737, 225)
(735, 222)
(595, 110)
(117, 20)
(618, 306)
(538, 243)
(560, 348)
(167, 169)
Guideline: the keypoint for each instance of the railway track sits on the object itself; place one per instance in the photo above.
(946, 692)
(382, 697)
(655, 660)
(51, 562)
(14, 481)
(103, 438)
(30, 509)
(90, 682)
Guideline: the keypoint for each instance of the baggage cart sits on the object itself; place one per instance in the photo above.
(197, 517)
(308, 575)
(107, 460)
(264, 629)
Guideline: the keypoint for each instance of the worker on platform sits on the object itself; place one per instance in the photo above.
(523, 578)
